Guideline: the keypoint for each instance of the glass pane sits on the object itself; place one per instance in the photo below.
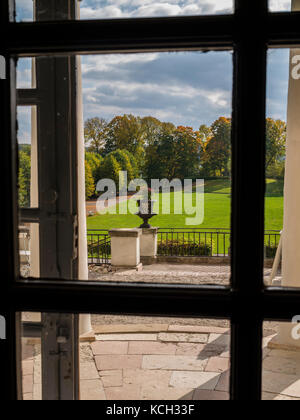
(28, 161)
(283, 155)
(24, 10)
(164, 119)
(142, 358)
(114, 9)
(102, 9)
(156, 128)
(29, 250)
(24, 73)
(282, 5)
(31, 359)
(281, 364)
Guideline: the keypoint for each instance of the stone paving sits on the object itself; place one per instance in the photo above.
(164, 362)
(169, 273)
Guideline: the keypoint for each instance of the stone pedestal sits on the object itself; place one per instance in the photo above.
(149, 246)
(125, 248)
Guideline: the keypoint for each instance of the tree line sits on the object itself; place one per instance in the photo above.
(148, 148)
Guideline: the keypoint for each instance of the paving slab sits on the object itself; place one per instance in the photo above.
(174, 363)
(88, 371)
(204, 395)
(199, 380)
(109, 347)
(146, 377)
(189, 349)
(27, 384)
(183, 337)
(111, 378)
(217, 364)
(159, 393)
(117, 362)
(151, 347)
(27, 351)
(284, 365)
(92, 390)
(126, 337)
(219, 339)
(224, 382)
(279, 383)
(124, 393)
(267, 396)
(27, 367)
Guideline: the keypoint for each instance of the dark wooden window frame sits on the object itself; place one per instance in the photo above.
(247, 302)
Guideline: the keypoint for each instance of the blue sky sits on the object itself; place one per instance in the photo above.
(186, 88)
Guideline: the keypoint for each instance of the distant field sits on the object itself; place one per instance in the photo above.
(216, 213)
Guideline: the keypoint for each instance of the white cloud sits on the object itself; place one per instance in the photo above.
(99, 9)
(109, 62)
(175, 87)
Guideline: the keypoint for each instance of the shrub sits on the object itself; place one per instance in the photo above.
(184, 249)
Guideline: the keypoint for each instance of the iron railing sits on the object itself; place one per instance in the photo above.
(198, 242)
(272, 239)
(99, 246)
(180, 242)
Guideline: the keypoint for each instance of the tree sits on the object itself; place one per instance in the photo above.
(216, 149)
(110, 169)
(23, 193)
(134, 164)
(89, 182)
(95, 134)
(95, 161)
(275, 144)
(126, 132)
(124, 161)
(175, 153)
(24, 178)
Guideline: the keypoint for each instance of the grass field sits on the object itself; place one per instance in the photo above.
(216, 210)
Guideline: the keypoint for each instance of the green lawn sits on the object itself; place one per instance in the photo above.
(216, 214)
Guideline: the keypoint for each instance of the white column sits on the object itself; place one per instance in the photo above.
(85, 324)
(291, 225)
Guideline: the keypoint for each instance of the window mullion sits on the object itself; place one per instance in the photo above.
(248, 209)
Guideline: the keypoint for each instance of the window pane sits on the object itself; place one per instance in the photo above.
(157, 128)
(282, 5)
(25, 79)
(28, 161)
(29, 250)
(24, 10)
(160, 116)
(281, 364)
(141, 358)
(102, 9)
(114, 9)
(282, 162)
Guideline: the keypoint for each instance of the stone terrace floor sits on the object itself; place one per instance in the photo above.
(164, 362)
(169, 273)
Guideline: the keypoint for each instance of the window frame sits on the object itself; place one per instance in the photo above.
(247, 302)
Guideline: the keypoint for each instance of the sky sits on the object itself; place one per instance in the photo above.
(108, 9)
(185, 88)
